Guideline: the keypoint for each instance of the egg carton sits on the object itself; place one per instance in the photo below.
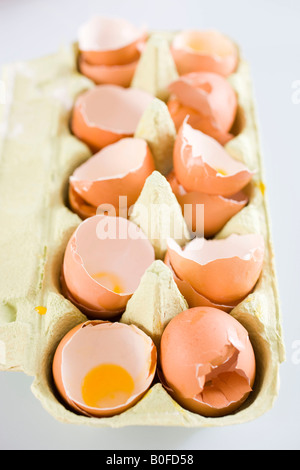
(38, 153)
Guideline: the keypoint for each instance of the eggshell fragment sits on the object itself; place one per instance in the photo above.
(108, 113)
(120, 75)
(211, 100)
(202, 164)
(193, 298)
(117, 171)
(223, 270)
(218, 210)
(204, 51)
(104, 262)
(208, 362)
(118, 348)
(110, 41)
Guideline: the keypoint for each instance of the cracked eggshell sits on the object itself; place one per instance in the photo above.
(91, 345)
(204, 51)
(211, 100)
(202, 164)
(104, 262)
(218, 210)
(110, 41)
(120, 75)
(224, 270)
(207, 361)
(108, 113)
(118, 170)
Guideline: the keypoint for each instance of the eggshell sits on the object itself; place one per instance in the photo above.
(224, 270)
(97, 343)
(118, 170)
(113, 247)
(120, 75)
(210, 98)
(193, 298)
(217, 209)
(204, 51)
(202, 164)
(79, 206)
(110, 41)
(108, 113)
(208, 361)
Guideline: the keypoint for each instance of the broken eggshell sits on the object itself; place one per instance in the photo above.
(94, 351)
(202, 164)
(208, 99)
(118, 170)
(104, 262)
(110, 41)
(208, 362)
(217, 209)
(224, 271)
(204, 51)
(107, 113)
(120, 75)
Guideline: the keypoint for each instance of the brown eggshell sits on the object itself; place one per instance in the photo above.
(118, 170)
(211, 98)
(110, 41)
(204, 51)
(202, 164)
(94, 343)
(218, 210)
(120, 75)
(79, 206)
(107, 113)
(208, 363)
(193, 298)
(113, 247)
(224, 270)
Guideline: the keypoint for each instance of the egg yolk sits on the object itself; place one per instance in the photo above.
(107, 385)
(221, 172)
(110, 281)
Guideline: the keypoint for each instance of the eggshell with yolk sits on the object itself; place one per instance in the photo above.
(205, 51)
(104, 262)
(201, 164)
(208, 362)
(96, 343)
(217, 209)
(107, 113)
(224, 270)
(118, 170)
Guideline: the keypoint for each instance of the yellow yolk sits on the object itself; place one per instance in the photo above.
(221, 172)
(107, 385)
(110, 281)
(41, 310)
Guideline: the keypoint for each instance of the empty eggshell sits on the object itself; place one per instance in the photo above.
(204, 51)
(118, 170)
(210, 98)
(217, 209)
(110, 41)
(224, 270)
(102, 368)
(120, 75)
(208, 363)
(107, 113)
(104, 262)
(202, 164)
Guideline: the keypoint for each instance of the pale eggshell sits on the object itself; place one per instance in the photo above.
(120, 75)
(218, 210)
(118, 170)
(208, 362)
(210, 98)
(107, 113)
(94, 343)
(204, 51)
(111, 245)
(202, 164)
(110, 41)
(193, 298)
(224, 270)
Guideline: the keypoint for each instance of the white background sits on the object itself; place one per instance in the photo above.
(268, 32)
